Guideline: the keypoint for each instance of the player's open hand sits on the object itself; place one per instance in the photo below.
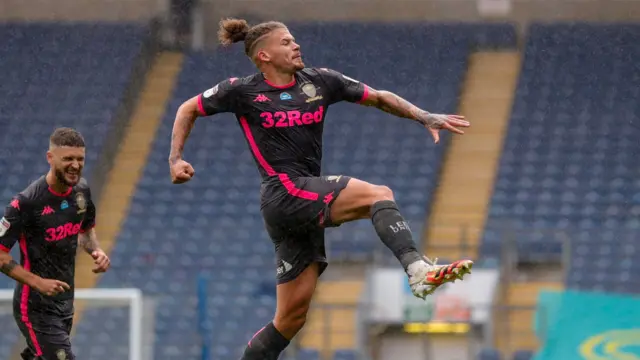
(50, 287)
(181, 172)
(101, 260)
(437, 122)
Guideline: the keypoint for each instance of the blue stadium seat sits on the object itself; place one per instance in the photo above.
(489, 354)
(346, 355)
(309, 354)
(523, 355)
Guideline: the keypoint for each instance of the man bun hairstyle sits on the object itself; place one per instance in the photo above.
(236, 30)
(66, 137)
(232, 31)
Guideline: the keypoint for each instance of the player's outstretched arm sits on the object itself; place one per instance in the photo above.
(89, 242)
(188, 112)
(47, 287)
(396, 105)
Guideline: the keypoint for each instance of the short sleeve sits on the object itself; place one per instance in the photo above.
(89, 220)
(12, 223)
(344, 88)
(218, 99)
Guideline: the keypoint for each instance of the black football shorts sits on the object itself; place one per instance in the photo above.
(296, 213)
(47, 334)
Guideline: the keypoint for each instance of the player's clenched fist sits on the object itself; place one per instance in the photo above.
(181, 172)
(51, 287)
(101, 260)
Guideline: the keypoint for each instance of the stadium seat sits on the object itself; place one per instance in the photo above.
(489, 354)
(309, 354)
(345, 355)
(523, 355)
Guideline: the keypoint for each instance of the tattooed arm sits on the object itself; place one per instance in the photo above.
(9, 267)
(49, 287)
(395, 105)
(89, 241)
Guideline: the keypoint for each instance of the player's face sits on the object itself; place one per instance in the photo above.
(67, 163)
(283, 52)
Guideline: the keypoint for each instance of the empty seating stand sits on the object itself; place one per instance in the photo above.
(568, 169)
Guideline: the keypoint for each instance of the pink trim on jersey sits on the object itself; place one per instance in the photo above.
(293, 190)
(24, 299)
(365, 95)
(284, 178)
(281, 86)
(201, 106)
(66, 193)
(4, 248)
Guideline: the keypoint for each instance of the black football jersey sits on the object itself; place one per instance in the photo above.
(46, 224)
(283, 125)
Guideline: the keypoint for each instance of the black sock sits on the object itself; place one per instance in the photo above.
(394, 232)
(266, 344)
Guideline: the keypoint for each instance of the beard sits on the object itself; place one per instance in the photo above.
(60, 176)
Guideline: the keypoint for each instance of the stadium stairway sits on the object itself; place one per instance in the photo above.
(462, 198)
(129, 162)
(516, 333)
(332, 320)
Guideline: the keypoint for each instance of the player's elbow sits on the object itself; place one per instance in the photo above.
(373, 97)
(5, 259)
(191, 108)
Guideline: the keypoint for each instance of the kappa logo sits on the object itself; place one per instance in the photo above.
(48, 210)
(261, 98)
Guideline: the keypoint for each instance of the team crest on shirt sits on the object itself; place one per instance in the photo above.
(4, 226)
(61, 354)
(310, 90)
(81, 202)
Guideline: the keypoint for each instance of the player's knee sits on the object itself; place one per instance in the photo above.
(381, 193)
